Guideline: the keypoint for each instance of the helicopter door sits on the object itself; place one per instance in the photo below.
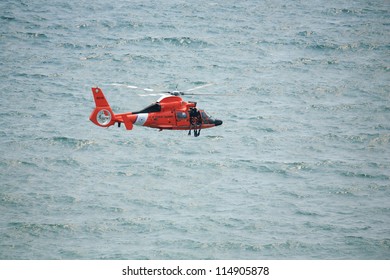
(181, 118)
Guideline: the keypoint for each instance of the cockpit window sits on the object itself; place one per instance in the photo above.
(181, 115)
(206, 118)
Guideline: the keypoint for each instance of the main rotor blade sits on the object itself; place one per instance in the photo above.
(132, 87)
(152, 92)
(198, 87)
(180, 93)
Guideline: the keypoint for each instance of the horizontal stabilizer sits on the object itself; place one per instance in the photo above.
(128, 122)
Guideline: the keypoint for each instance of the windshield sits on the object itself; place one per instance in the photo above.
(206, 118)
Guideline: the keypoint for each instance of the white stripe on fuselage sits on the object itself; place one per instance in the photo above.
(141, 119)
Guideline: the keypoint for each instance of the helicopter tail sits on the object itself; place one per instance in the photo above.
(102, 115)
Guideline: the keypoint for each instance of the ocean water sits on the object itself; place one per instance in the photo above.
(300, 168)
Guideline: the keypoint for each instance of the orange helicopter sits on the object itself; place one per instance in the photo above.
(168, 112)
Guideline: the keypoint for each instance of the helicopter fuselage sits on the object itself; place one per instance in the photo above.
(168, 112)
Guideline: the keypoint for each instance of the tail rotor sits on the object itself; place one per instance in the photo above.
(102, 115)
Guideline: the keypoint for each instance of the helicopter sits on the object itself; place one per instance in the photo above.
(170, 111)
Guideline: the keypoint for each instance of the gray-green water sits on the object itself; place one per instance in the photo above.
(299, 169)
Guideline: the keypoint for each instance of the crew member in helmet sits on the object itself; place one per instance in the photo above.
(195, 121)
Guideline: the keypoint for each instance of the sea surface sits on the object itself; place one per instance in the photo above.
(300, 168)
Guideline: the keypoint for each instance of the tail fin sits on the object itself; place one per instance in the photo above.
(103, 114)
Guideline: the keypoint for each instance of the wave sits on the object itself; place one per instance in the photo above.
(8, 18)
(176, 41)
(77, 144)
(37, 229)
(364, 175)
(372, 140)
(355, 46)
(343, 11)
(17, 163)
(309, 40)
(34, 35)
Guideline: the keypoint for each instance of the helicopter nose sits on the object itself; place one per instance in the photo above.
(217, 122)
